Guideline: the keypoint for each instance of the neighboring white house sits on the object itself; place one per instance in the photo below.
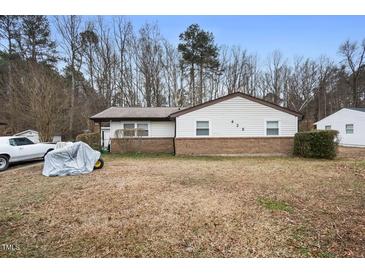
(233, 124)
(350, 123)
(33, 135)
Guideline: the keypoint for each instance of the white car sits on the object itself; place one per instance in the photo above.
(17, 149)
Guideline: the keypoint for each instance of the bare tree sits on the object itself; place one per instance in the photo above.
(106, 63)
(275, 79)
(9, 30)
(89, 42)
(353, 55)
(171, 67)
(149, 62)
(69, 29)
(241, 72)
(124, 39)
(39, 99)
(327, 73)
(303, 83)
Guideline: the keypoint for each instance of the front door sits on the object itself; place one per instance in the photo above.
(105, 137)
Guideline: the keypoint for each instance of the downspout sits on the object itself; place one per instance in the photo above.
(298, 123)
(101, 141)
(110, 136)
(174, 137)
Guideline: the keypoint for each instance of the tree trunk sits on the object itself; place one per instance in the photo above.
(12, 99)
(200, 99)
(91, 68)
(354, 93)
(192, 83)
(72, 102)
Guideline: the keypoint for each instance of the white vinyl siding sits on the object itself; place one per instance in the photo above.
(340, 119)
(156, 129)
(236, 117)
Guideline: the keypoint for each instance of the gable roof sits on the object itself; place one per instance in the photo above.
(135, 113)
(237, 94)
(339, 111)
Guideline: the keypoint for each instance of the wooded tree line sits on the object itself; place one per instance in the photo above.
(54, 83)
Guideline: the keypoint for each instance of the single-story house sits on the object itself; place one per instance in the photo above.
(233, 124)
(33, 135)
(350, 124)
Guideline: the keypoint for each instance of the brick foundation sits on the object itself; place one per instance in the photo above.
(235, 146)
(122, 145)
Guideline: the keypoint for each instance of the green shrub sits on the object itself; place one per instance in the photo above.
(92, 139)
(316, 144)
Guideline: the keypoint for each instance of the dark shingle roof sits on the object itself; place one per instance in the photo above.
(358, 109)
(243, 95)
(157, 113)
(166, 113)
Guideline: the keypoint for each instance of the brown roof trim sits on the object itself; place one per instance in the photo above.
(232, 95)
(130, 119)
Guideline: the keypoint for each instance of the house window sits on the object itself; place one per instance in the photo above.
(272, 128)
(349, 128)
(128, 130)
(142, 129)
(135, 129)
(327, 127)
(202, 128)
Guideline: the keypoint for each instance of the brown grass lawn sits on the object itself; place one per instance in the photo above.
(165, 206)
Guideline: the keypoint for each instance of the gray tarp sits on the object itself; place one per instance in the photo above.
(73, 159)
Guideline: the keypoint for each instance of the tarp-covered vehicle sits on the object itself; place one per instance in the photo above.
(72, 159)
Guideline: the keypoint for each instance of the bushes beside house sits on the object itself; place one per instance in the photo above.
(92, 139)
(316, 144)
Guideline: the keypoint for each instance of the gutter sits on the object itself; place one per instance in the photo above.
(174, 145)
(96, 120)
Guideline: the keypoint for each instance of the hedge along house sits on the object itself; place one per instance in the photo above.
(235, 124)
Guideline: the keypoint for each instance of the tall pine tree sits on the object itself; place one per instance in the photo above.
(198, 52)
(9, 30)
(36, 43)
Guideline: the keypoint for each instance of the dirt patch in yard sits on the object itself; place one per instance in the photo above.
(165, 206)
(353, 152)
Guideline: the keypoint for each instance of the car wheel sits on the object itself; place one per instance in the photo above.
(99, 164)
(4, 162)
